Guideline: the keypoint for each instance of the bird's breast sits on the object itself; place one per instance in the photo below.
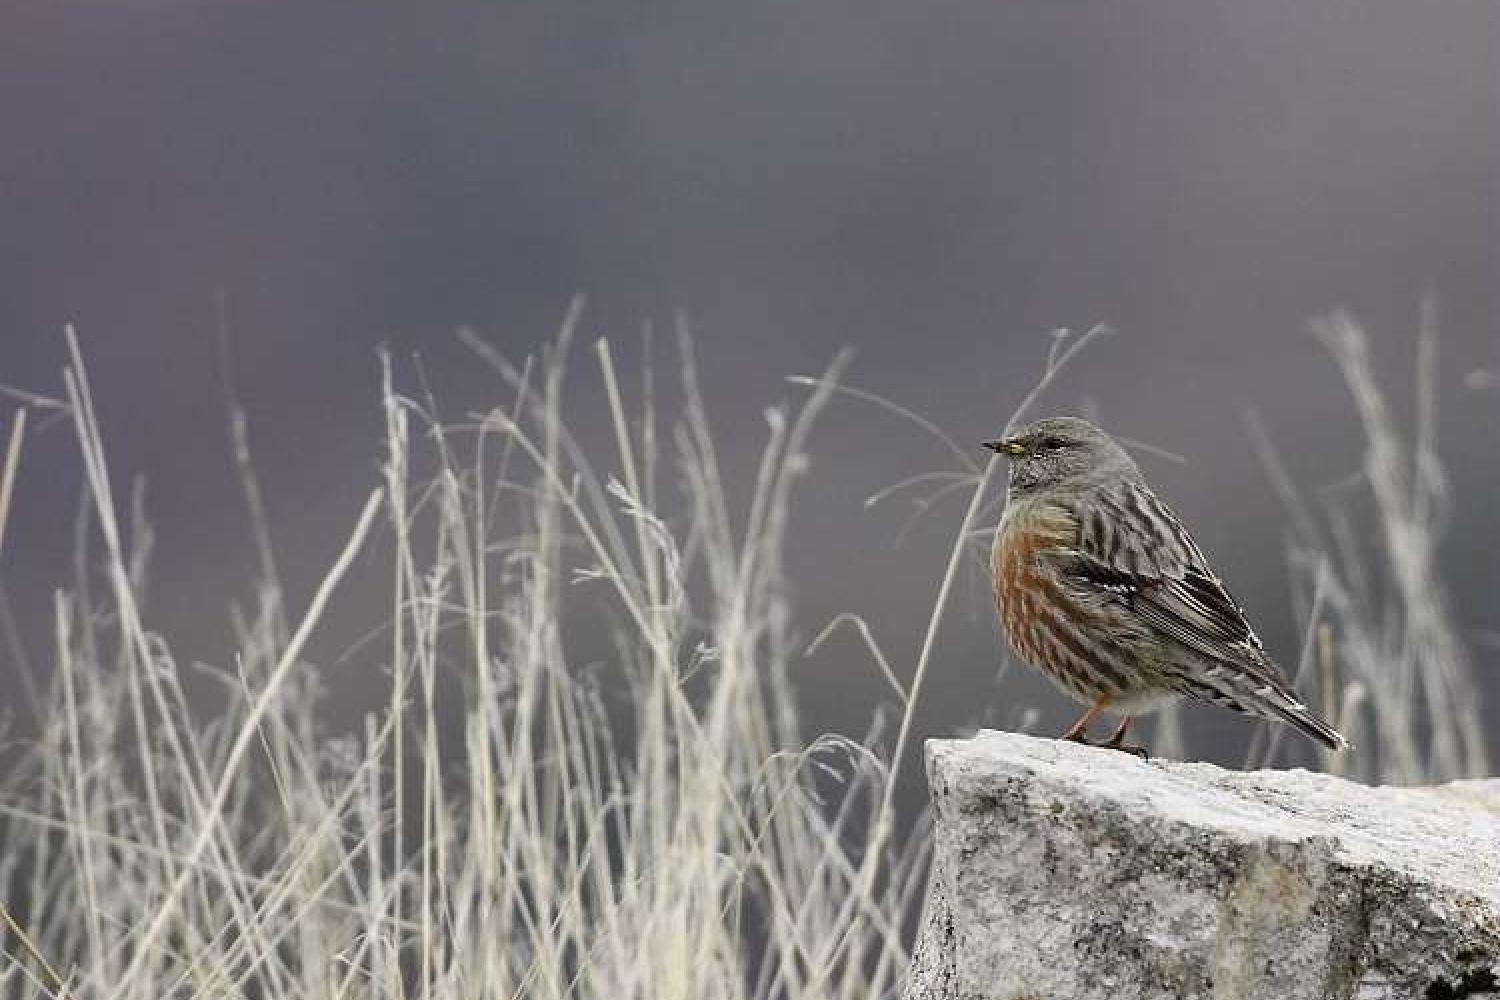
(1027, 531)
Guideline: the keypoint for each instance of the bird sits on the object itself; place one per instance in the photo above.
(1100, 587)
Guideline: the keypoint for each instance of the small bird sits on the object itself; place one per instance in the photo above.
(1101, 588)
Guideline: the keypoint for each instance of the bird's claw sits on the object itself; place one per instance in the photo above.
(1135, 750)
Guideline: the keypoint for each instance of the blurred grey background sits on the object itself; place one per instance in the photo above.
(936, 185)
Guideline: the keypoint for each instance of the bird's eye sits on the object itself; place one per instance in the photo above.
(1050, 444)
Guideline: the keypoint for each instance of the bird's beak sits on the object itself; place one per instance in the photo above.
(1006, 446)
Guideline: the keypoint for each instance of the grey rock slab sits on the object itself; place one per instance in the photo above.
(1066, 872)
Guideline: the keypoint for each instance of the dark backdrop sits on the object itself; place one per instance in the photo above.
(933, 184)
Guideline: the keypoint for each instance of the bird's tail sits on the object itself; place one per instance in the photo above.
(1258, 687)
(1301, 718)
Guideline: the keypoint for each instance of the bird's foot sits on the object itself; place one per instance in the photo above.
(1134, 749)
(1113, 743)
(1117, 741)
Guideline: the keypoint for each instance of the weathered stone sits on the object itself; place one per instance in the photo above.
(1065, 872)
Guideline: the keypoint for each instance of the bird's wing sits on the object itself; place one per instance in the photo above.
(1133, 555)
(1133, 548)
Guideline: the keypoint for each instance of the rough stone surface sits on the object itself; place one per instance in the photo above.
(1064, 872)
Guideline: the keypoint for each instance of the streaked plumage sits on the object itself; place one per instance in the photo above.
(1101, 588)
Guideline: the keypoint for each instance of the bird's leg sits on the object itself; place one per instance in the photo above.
(1117, 741)
(1079, 732)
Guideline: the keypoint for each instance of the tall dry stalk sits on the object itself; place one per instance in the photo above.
(1392, 659)
(506, 824)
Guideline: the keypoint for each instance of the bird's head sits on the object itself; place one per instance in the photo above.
(1061, 451)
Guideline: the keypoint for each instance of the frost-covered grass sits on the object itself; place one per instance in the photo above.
(1384, 654)
(515, 822)
(500, 829)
